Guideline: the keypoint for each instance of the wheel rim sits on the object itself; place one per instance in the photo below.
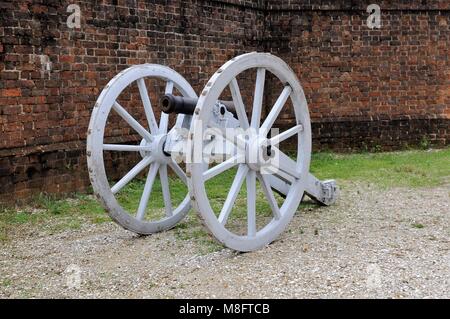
(150, 149)
(246, 173)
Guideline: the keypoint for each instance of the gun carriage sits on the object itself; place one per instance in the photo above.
(210, 137)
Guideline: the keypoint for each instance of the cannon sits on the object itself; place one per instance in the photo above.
(211, 136)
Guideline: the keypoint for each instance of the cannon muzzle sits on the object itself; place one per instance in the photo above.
(177, 104)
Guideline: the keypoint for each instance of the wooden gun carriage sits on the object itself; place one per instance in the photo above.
(210, 137)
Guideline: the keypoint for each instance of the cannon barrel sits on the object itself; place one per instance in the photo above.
(172, 104)
(177, 104)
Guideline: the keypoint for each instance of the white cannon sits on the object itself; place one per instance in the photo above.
(211, 137)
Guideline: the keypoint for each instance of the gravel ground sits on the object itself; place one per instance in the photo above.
(371, 244)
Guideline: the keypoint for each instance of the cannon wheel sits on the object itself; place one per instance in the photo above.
(292, 171)
(151, 149)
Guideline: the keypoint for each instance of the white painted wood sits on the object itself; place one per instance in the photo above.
(147, 191)
(239, 104)
(166, 190)
(179, 171)
(284, 177)
(296, 168)
(285, 163)
(267, 189)
(95, 144)
(147, 106)
(289, 176)
(222, 167)
(126, 148)
(279, 185)
(276, 140)
(131, 174)
(132, 122)
(258, 98)
(232, 136)
(251, 204)
(273, 115)
(233, 194)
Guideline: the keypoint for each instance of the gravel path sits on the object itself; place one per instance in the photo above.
(372, 244)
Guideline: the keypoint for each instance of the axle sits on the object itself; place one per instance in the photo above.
(172, 104)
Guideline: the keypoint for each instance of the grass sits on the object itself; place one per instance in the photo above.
(6, 283)
(398, 169)
(130, 197)
(53, 214)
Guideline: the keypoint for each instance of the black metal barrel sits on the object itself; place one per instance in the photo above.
(172, 104)
(177, 104)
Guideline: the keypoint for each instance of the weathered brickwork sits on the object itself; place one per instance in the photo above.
(384, 87)
(365, 88)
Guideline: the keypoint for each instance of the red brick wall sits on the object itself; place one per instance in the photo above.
(375, 88)
(44, 114)
(382, 87)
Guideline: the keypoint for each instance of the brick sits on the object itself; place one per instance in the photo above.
(11, 92)
(378, 87)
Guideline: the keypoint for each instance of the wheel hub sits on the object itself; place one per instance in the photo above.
(156, 149)
(258, 152)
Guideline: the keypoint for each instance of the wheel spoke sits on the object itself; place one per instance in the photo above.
(276, 140)
(269, 195)
(239, 104)
(165, 190)
(164, 122)
(131, 174)
(251, 203)
(179, 171)
(126, 148)
(222, 167)
(147, 106)
(132, 122)
(147, 191)
(258, 98)
(281, 101)
(232, 195)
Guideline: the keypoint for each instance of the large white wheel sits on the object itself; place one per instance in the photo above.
(150, 150)
(272, 173)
